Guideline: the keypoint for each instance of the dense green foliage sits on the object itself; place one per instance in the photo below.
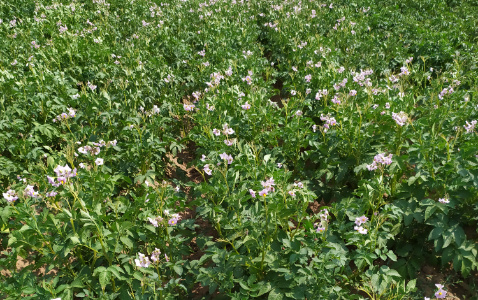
(330, 147)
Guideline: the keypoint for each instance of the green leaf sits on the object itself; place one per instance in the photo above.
(28, 290)
(264, 288)
(447, 239)
(411, 285)
(429, 211)
(115, 270)
(275, 294)
(104, 278)
(435, 233)
(393, 273)
(392, 255)
(244, 285)
(77, 283)
(75, 239)
(127, 241)
(459, 235)
(178, 269)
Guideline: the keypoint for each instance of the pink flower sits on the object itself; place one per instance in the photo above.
(156, 221)
(155, 255)
(246, 106)
(248, 79)
(263, 193)
(361, 220)
(401, 118)
(440, 294)
(207, 170)
(189, 107)
(173, 221)
(10, 196)
(253, 193)
(29, 191)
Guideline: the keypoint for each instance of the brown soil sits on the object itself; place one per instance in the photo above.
(429, 276)
(23, 263)
(204, 227)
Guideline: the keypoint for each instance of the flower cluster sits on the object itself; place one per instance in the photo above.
(63, 173)
(143, 261)
(444, 200)
(268, 187)
(196, 96)
(10, 196)
(65, 116)
(470, 126)
(246, 106)
(154, 111)
(362, 79)
(216, 78)
(404, 71)
(30, 192)
(400, 118)
(321, 226)
(155, 221)
(173, 219)
(226, 130)
(189, 107)
(340, 85)
(380, 160)
(329, 121)
(96, 149)
(336, 99)
(225, 156)
(155, 255)
(393, 79)
(444, 92)
(248, 78)
(358, 222)
(321, 93)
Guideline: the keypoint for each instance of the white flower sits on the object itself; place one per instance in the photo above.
(99, 161)
(444, 200)
(143, 261)
(360, 229)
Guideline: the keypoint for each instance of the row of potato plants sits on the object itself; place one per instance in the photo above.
(334, 142)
